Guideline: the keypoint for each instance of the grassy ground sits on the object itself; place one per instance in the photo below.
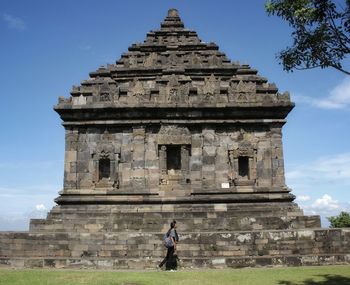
(324, 275)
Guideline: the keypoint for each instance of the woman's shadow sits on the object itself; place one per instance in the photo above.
(328, 280)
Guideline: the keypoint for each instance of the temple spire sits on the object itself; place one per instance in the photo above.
(172, 21)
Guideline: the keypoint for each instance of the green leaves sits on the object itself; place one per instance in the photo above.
(321, 33)
(340, 221)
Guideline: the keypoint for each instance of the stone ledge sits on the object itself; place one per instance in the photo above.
(65, 199)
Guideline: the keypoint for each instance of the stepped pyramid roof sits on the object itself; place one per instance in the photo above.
(173, 68)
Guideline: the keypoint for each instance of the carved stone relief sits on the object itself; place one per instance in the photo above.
(214, 60)
(169, 134)
(132, 61)
(173, 59)
(210, 89)
(195, 59)
(242, 92)
(151, 60)
(138, 92)
(176, 92)
(105, 93)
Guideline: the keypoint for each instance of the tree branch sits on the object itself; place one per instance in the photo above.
(340, 69)
(306, 68)
(336, 31)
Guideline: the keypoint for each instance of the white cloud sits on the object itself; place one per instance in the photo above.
(39, 212)
(303, 198)
(19, 221)
(14, 22)
(40, 207)
(325, 204)
(338, 98)
(322, 186)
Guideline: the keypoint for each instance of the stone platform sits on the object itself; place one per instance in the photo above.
(137, 250)
(211, 236)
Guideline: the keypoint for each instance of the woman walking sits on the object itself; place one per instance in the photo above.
(170, 240)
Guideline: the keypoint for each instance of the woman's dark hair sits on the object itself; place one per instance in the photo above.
(172, 224)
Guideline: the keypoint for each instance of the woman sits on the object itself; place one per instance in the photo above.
(171, 240)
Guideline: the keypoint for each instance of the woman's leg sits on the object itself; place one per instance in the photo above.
(169, 254)
(169, 257)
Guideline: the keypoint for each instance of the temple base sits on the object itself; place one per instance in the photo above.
(212, 235)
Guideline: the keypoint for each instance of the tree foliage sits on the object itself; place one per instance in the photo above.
(340, 221)
(321, 33)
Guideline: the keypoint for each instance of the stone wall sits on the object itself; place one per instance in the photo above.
(136, 250)
(210, 159)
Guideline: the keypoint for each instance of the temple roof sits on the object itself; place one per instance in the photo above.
(174, 68)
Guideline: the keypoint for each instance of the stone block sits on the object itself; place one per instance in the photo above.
(208, 160)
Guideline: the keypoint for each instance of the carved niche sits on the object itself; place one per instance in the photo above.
(242, 162)
(105, 163)
(174, 151)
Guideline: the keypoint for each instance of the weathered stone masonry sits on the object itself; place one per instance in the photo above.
(174, 130)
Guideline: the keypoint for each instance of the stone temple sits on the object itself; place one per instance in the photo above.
(174, 130)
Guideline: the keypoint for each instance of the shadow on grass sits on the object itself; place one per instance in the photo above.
(327, 280)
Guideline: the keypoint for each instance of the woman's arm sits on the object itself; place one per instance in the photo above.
(174, 242)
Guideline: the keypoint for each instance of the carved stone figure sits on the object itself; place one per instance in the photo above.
(151, 60)
(138, 92)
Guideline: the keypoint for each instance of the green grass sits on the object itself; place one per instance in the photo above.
(323, 275)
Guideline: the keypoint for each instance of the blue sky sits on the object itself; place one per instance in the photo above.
(48, 46)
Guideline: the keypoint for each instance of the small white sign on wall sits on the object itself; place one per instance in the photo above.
(225, 185)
